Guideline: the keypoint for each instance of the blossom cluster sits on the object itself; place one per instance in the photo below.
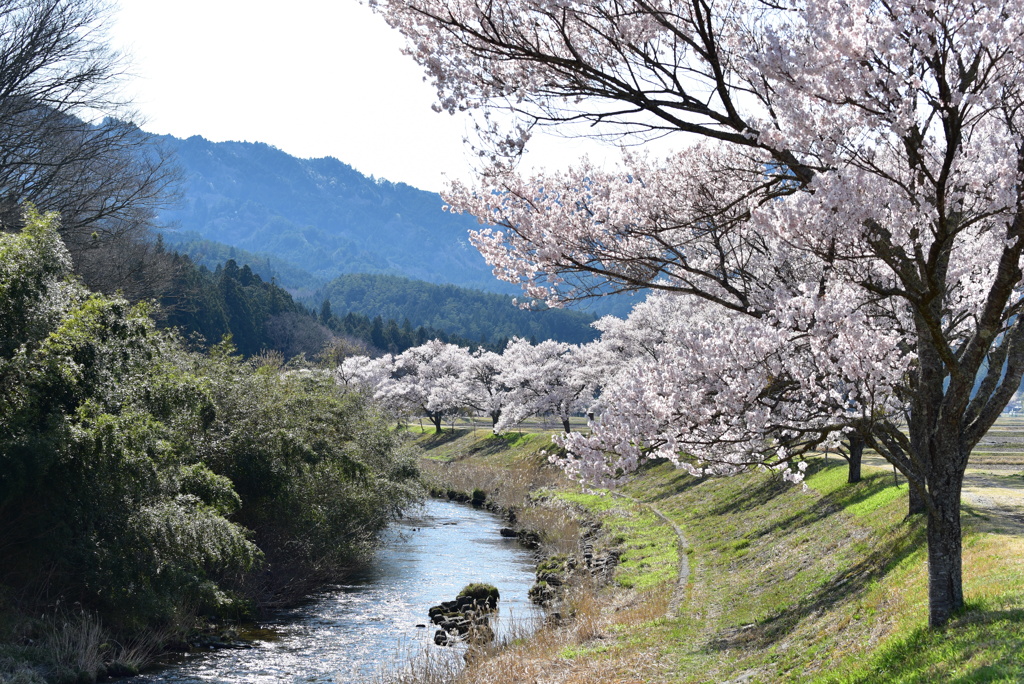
(439, 380)
(837, 243)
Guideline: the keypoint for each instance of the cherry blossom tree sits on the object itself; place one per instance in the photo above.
(427, 378)
(547, 378)
(855, 156)
(364, 371)
(657, 329)
(486, 386)
(717, 392)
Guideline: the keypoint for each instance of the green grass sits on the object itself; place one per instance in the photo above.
(873, 492)
(823, 584)
(481, 446)
(576, 651)
(601, 502)
(983, 646)
(780, 575)
(651, 548)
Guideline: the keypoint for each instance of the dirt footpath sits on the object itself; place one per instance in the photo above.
(998, 493)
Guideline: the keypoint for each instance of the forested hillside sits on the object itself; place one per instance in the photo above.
(321, 214)
(480, 316)
(235, 301)
(207, 306)
(300, 283)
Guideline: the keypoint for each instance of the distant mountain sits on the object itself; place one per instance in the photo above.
(321, 215)
(479, 316)
(304, 222)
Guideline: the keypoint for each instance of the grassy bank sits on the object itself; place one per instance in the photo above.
(819, 584)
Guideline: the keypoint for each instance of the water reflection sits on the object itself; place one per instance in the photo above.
(350, 632)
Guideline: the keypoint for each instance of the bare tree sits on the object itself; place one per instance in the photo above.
(67, 142)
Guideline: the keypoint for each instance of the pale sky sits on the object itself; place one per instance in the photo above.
(314, 78)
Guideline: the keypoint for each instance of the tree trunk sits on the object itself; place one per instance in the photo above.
(945, 577)
(917, 501)
(856, 453)
(436, 418)
(495, 415)
(565, 425)
(919, 444)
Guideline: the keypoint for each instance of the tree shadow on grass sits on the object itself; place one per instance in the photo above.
(752, 497)
(845, 497)
(978, 645)
(843, 587)
(679, 482)
(435, 441)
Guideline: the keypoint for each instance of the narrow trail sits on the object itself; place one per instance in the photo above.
(679, 592)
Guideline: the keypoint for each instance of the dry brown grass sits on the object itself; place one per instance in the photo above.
(992, 457)
(509, 488)
(558, 526)
(576, 651)
(514, 487)
(73, 642)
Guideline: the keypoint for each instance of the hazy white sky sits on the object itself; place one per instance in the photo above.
(314, 78)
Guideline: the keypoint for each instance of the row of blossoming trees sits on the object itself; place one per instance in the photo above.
(660, 375)
(841, 228)
(440, 380)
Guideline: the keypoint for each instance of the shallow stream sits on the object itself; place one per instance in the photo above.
(370, 622)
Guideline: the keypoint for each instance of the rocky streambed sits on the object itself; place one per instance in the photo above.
(379, 618)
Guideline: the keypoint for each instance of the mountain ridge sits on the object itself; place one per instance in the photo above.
(305, 222)
(322, 215)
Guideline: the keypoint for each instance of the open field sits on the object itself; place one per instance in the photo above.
(994, 480)
(1003, 445)
(1002, 449)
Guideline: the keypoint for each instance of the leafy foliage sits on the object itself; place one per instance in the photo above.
(146, 481)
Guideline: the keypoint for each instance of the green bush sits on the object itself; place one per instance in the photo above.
(149, 483)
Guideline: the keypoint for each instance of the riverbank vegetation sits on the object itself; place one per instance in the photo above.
(826, 583)
(145, 488)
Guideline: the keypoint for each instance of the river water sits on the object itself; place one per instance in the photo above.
(369, 623)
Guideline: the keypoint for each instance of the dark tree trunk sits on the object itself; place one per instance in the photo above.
(917, 501)
(435, 418)
(945, 576)
(854, 459)
(495, 415)
(565, 425)
(920, 429)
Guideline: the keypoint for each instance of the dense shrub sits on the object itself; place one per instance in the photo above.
(145, 483)
(317, 469)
